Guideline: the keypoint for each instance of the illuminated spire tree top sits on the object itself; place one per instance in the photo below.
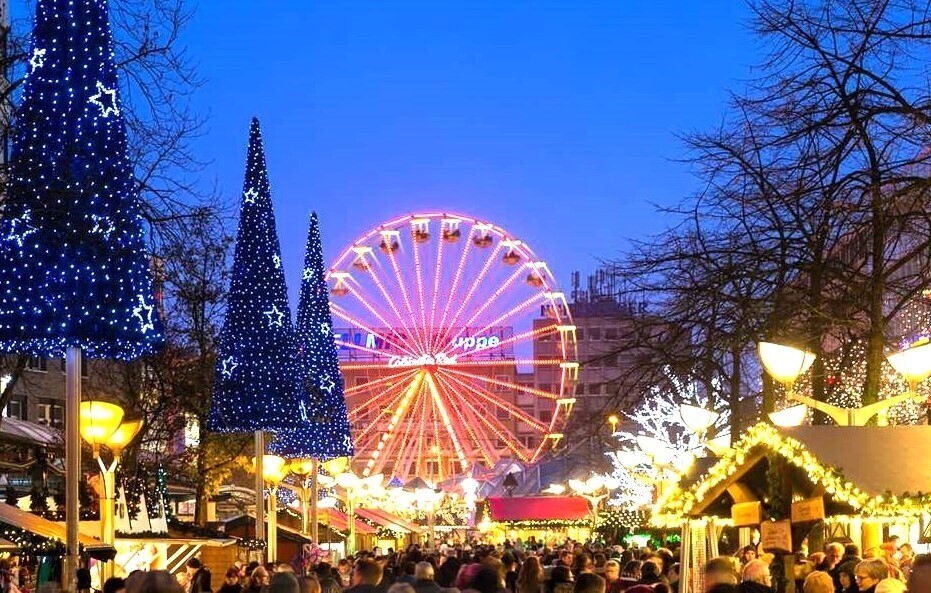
(325, 433)
(257, 375)
(73, 264)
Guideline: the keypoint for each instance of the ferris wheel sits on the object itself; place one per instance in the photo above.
(456, 346)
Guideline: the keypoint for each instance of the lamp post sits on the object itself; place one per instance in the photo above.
(785, 364)
(613, 420)
(305, 470)
(591, 490)
(326, 503)
(273, 469)
(355, 489)
(101, 424)
(426, 500)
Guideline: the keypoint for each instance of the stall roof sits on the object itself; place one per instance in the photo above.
(854, 465)
(45, 528)
(339, 520)
(30, 433)
(386, 519)
(539, 508)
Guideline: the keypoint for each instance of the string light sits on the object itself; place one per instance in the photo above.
(257, 374)
(325, 432)
(73, 261)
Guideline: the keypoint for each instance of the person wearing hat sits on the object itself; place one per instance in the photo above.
(198, 577)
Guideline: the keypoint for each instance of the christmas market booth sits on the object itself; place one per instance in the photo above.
(547, 518)
(391, 531)
(781, 486)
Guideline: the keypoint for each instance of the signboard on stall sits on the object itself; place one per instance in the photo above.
(747, 514)
(808, 510)
(776, 536)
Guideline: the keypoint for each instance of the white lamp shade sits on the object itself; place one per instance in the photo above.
(347, 480)
(784, 363)
(469, 485)
(373, 481)
(697, 419)
(719, 445)
(327, 502)
(630, 459)
(791, 416)
(914, 364)
(556, 489)
(578, 486)
(661, 453)
(325, 481)
(594, 483)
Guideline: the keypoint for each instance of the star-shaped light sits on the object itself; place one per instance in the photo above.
(324, 328)
(20, 228)
(228, 366)
(275, 317)
(144, 312)
(37, 60)
(304, 415)
(106, 100)
(250, 195)
(103, 225)
(277, 261)
(327, 384)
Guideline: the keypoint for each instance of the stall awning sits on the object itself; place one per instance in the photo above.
(388, 520)
(539, 508)
(49, 529)
(339, 520)
(30, 433)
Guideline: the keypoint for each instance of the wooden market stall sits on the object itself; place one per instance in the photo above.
(543, 517)
(858, 484)
(391, 531)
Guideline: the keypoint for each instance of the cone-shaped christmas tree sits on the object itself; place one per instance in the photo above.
(325, 433)
(257, 376)
(74, 271)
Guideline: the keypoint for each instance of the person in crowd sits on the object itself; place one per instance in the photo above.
(116, 585)
(719, 571)
(199, 577)
(611, 572)
(530, 577)
(582, 563)
(284, 582)
(407, 572)
(747, 554)
(649, 574)
(366, 577)
(846, 581)
(672, 577)
(231, 582)
(258, 580)
(890, 586)
(755, 578)
(920, 577)
(424, 579)
(589, 582)
(560, 580)
(401, 587)
(906, 556)
(818, 582)
(448, 570)
(869, 573)
(721, 588)
(600, 560)
(153, 581)
(487, 580)
(509, 563)
(631, 570)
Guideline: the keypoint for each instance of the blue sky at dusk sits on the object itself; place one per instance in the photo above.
(555, 120)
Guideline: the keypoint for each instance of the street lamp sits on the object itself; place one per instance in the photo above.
(101, 424)
(697, 419)
(556, 489)
(426, 500)
(326, 503)
(305, 470)
(470, 488)
(590, 490)
(354, 489)
(613, 420)
(274, 469)
(791, 416)
(913, 363)
(784, 363)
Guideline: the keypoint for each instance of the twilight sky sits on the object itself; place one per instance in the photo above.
(555, 121)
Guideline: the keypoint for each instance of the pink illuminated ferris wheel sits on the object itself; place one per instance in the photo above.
(456, 346)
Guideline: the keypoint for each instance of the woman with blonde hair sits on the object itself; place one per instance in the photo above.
(818, 582)
(530, 577)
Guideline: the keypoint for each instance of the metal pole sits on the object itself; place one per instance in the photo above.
(351, 513)
(259, 489)
(314, 493)
(72, 465)
(273, 523)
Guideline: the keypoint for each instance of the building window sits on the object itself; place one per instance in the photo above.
(361, 381)
(499, 444)
(546, 387)
(51, 412)
(37, 363)
(85, 372)
(611, 333)
(502, 379)
(594, 389)
(579, 334)
(544, 415)
(594, 334)
(502, 414)
(16, 408)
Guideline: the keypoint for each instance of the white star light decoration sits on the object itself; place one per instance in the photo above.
(304, 415)
(324, 328)
(229, 365)
(20, 228)
(144, 312)
(37, 60)
(277, 261)
(308, 274)
(103, 225)
(275, 317)
(250, 196)
(105, 99)
(327, 384)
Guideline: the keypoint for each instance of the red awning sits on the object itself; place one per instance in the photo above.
(539, 508)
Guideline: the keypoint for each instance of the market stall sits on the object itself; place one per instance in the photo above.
(546, 518)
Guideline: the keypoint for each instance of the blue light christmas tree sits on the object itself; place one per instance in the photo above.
(325, 431)
(74, 271)
(257, 380)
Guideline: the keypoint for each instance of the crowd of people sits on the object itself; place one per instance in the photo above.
(535, 568)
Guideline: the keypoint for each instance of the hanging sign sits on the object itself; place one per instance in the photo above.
(808, 510)
(747, 514)
(776, 536)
